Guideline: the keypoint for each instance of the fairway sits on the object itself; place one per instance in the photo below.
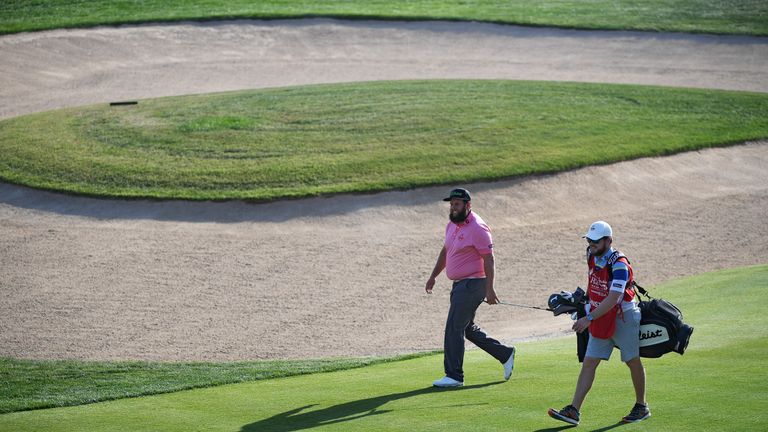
(718, 384)
(369, 137)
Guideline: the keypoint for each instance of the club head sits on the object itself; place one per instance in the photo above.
(565, 301)
(560, 305)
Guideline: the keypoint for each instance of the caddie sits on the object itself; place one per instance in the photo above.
(613, 319)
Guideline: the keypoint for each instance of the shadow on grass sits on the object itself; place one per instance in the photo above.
(295, 419)
(565, 427)
(555, 429)
(603, 429)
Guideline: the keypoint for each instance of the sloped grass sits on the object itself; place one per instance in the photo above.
(708, 16)
(718, 384)
(36, 384)
(364, 137)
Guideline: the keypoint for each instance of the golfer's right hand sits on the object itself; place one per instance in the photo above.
(491, 298)
(430, 285)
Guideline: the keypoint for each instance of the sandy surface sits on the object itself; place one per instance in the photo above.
(101, 279)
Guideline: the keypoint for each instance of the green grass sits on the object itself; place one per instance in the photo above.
(363, 137)
(719, 384)
(36, 384)
(749, 17)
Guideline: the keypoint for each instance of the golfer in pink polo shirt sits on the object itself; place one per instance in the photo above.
(467, 257)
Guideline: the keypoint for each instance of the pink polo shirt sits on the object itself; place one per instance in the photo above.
(464, 244)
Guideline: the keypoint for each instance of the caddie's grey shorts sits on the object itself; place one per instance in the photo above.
(626, 337)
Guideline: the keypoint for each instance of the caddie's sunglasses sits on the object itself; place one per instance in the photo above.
(590, 241)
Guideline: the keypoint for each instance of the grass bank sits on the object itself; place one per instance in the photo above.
(36, 384)
(719, 383)
(743, 17)
(365, 137)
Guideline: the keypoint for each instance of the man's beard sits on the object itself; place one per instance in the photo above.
(460, 217)
(601, 251)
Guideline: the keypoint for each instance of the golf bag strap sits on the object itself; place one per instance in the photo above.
(615, 256)
(641, 290)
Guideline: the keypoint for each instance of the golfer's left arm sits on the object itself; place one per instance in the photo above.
(490, 271)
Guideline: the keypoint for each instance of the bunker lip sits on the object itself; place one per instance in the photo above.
(344, 275)
(64, 68)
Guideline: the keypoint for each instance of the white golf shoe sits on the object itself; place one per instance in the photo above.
(447, 382)
(509, 365)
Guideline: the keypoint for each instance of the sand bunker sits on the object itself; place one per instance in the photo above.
(108, 279)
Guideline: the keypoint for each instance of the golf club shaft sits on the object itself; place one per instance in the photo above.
(523, 306)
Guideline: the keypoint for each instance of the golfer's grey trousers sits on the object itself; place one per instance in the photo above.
(466, 297)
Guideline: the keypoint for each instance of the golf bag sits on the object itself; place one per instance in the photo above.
(573, 303)
(662, 329)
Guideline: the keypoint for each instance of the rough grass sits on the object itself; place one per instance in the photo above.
(367, 137)
(749, 17)
(718, 384)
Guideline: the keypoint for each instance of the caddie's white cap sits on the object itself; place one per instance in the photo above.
(598, 230)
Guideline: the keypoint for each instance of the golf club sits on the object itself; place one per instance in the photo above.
(524, 306)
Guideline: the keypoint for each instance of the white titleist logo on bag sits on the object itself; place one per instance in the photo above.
(652, 334)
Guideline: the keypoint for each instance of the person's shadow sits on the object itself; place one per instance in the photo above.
(562, 428)
(295, 419)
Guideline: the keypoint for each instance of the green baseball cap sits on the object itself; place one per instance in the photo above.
(459, 193)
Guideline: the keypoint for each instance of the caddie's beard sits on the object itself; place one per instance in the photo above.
(458, 217)
(601, 251)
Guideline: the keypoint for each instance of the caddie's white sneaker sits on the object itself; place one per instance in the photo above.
(447, 382)
(509, 365)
